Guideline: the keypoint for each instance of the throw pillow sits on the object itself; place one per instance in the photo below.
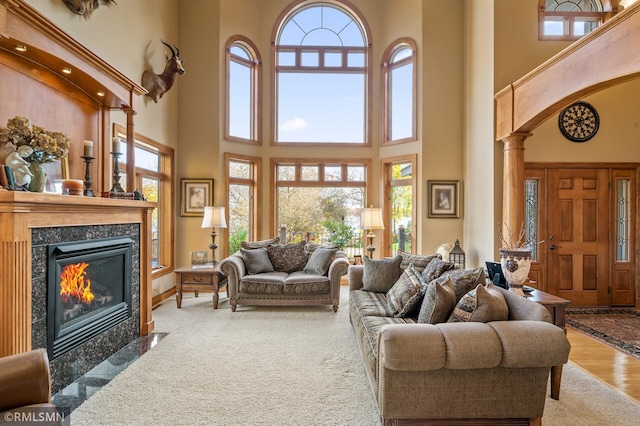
(319, 261)
(311, 247)
(406, 293)
(438, 303)
(249, 245)
(289, 257)
(380, 275)
(419, 261)
(483, 304)
(435, 268)
(465, 280)
(257, 260)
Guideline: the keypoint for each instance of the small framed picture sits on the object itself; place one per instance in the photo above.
(199, 257)
(444, 198)
(196, 194)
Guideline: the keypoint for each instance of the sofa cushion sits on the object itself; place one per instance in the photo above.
(319, 262)
(370, 303)
(465, 280)
(406, 293)
(256, 260)
(249, 245)
(419, 261)
(436, 268)
(483, 304)
(289, 257)
(438, 302)
(380, 275)
(265, 283)
(311, 247)
(303, 283)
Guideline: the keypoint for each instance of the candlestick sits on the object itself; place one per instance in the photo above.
(115, 147)
(87, 176)
(88, 148)
(116, 173)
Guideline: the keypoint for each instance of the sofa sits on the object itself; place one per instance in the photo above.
(25, 389)
(269, 273)
(448, 369)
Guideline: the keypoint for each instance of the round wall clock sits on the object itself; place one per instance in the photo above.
(579, 122)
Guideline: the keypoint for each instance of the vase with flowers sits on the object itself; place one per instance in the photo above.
(515, 259)
(27, 147)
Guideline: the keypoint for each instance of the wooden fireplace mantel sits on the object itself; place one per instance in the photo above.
(22, 211)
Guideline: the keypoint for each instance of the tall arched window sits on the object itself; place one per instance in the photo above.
(321, 75)
(572, 19)
(399, 74)
(243, 88)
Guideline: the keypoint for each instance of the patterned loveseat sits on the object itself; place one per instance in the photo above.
(269, 273)
(423, 368)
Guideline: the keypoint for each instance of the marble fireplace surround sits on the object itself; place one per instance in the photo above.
(24, 215)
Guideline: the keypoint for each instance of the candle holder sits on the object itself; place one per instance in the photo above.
(88, 192)
(116, 173)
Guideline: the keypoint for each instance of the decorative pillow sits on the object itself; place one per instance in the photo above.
(257, 260)
(406, 293)
(288, 258)
(380, 275)
(483, 304)
(438, 303)
(435, 268)
(419, 261)
(319, 261)
(311, 247)
(250, 245)
(465, 280)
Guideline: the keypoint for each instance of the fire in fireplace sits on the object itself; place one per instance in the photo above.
(89, 290)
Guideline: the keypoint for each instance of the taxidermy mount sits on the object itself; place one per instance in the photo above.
(158, 84)
(86, 7)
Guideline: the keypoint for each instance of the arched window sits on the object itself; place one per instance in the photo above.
(399, 74)
(321, 75)
(243, 87)
(572, 19)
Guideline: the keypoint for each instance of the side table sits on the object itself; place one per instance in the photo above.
(556, 307)
(200, 279)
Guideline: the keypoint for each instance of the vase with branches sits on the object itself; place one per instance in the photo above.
(515, 258)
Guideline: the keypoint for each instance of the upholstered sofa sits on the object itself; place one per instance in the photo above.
(269, 273)
(455, 372)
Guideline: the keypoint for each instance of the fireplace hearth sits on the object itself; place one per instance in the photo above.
(89, 290)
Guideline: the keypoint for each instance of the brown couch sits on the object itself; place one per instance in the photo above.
(25, 389)
(456, 373)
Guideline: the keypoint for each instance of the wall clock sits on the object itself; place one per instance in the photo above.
(579, 122)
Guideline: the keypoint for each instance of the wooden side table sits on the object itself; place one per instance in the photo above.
(556, 307)
(200, 279)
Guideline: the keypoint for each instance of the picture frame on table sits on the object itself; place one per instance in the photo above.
(195, 195)
(56, 171)
(444, 199)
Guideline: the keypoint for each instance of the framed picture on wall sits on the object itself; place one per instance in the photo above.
(195, 195)
(444, 198)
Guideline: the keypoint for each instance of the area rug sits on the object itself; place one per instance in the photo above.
(281, 366)
(619, 328)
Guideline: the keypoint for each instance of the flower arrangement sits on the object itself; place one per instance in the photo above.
(33, 143)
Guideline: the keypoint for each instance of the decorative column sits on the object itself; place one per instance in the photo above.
(513, 183)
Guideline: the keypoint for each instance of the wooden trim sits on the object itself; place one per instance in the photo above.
(157, 299)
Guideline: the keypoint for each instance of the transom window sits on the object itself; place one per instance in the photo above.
(571, 19)
(321, 66)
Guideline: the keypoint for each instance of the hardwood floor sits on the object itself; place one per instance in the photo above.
(609, 365)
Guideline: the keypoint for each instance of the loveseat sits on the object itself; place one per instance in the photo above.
(442, 372)
(269, 273)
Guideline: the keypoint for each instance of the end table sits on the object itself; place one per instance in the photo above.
(208, 278)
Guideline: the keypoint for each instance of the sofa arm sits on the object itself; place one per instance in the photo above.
(355, 277)
(234, 267)
(338, 267)
(24, 379)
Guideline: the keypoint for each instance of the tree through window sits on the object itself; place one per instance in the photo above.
(321, 57)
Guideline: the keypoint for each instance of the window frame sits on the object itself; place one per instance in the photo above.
(358, 18)
(388, 183)
(166, 204)
(609, 9)
(387, 68)
(255, 66)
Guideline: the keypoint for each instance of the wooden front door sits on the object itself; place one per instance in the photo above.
(578, 235)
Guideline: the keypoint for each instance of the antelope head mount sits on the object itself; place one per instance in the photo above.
(86, 7)
(158, 84)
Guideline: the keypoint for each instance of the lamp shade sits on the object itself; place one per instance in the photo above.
(371, 218)
(214, 217)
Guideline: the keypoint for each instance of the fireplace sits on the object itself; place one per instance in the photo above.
(88, 290)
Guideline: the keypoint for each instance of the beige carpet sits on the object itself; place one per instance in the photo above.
(284, 366)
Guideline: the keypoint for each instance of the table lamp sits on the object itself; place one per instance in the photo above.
(370, 219)
(214, 217)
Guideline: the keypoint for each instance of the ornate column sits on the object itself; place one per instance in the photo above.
(513, 183)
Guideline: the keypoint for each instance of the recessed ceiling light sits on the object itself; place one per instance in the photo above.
(100, 93)
(20, 48)
(66, 70)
